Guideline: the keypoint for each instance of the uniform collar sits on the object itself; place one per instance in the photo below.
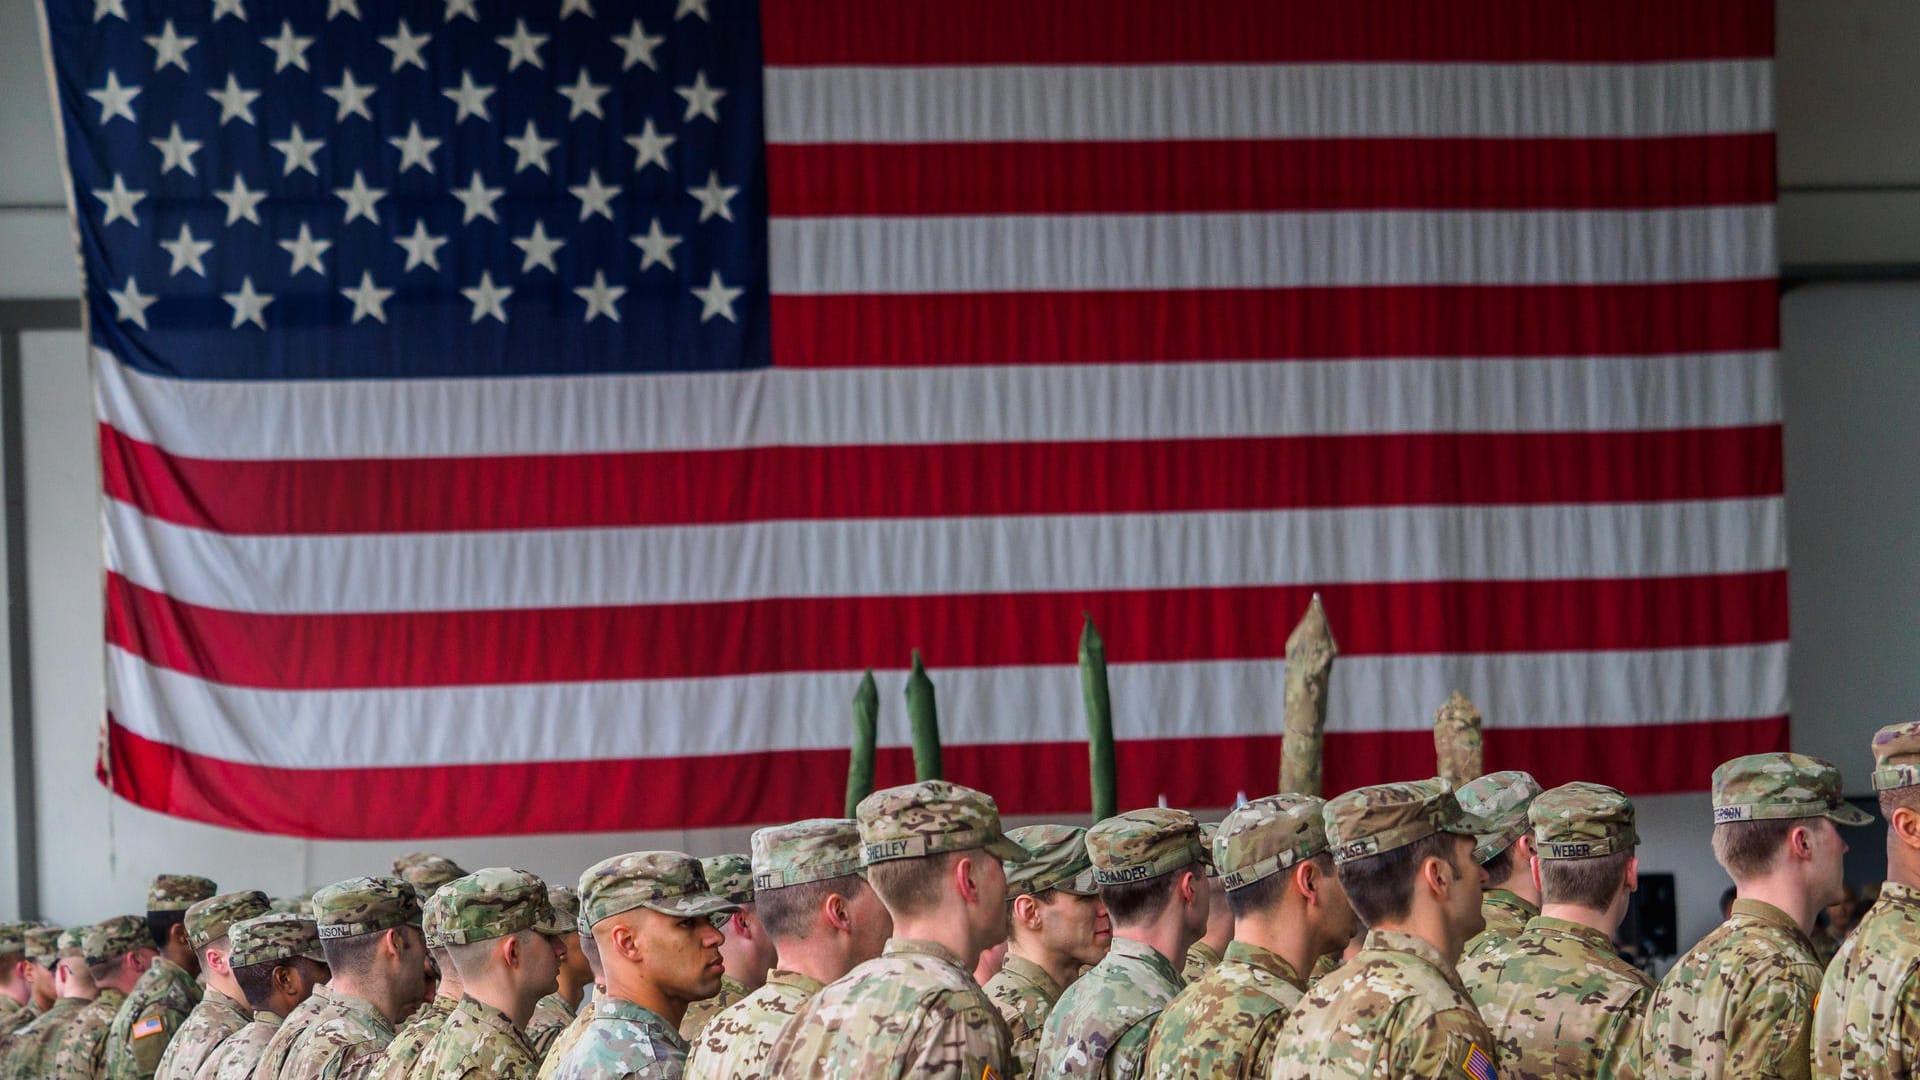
(1512, 901)
(365, 1011)
(608, 1007)
(1567, 928)
(219, 1000)
(1127, 949)
(1395, 941)
(1240, 952)
(110, 997)
(1761, 911)
(487, 1016)
(1896, 893)
(1026, 971)
(917, 947)
(806, 984)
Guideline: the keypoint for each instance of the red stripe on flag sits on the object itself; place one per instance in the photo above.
(944, 480)
(552, 645)
(1030, 779)
(1302, 174)
(852, 32)
(911, 330)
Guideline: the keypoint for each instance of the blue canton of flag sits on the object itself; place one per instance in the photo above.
(434, 187)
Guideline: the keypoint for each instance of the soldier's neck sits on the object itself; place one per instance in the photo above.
(1060, 967)
(821, 956)
(1167, 935)
(947, 926)
(1783, 892)
(1284, 931)
(1428, 922)
(1607, 922)
(630, 987)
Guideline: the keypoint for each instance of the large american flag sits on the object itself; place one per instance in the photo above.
(533, 416)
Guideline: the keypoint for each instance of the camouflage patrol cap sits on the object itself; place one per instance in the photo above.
(1582, 821)
(433, 915)
(210, 918)
(1374, 820)
(301, 905)
(1896, 756)
(115, 938)
(930, 818)
(1781, 786)
(817, 849)
(1208, 830)
(426, 871)
(178, 892)
(730, 876)
(669, 882)
(72, 943)
(273, 938)
(41, 944)
(1143, 844)
(566, 907)
(1501, 800)
(493, 903)
(364, 905)
(1059, 861)
(1267, 836)
(13, 938)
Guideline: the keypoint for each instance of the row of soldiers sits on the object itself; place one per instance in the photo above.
(1398, 930)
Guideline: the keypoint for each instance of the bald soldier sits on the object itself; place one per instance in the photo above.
(370, 932)
(1740, 1003)
(933, 853)
(504, 938)
(747, 951)
(1057, 928)
(651, 916)
(410, 1041)
(29, 1053)
(1151, 869)
(1560, 1001)
(1404, 854)
(1288, 911)
(1202, 955)
(1867, 1023)
(824, 920)
(1509, 896)
(277, 962)
(223, 1008)
(168, 991)
(118, 952)
(557, 1010)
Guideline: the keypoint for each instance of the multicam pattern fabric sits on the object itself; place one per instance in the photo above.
(913, 1011)
(1025, 995)
(365, 905)
(212, 1022)
(1201, 958)
(1501, 800)
(345, 1041)
(622, 1041)
(550, 1017)
(562, 1046)
(213, 917)
(1225, 1025)
(1374, 820)
(1397, 1009)
(930, 817)
(178, 892)
(1506, 914)
(79, 1051)
(1561, 1003)
(731, 993)
(493, 903)
(479, 1042)
(403, 1053)
(29, 1052)
(738, 1042)
(235, 1058)
(290, 1030)
(1867, 1023)
(13, 1015)
(1057, 859)
(815, 849)
(1142, 844)
(1101, 1023)
(1780, 785)
(669, 882)
(135, 1046)
(1739, 1004)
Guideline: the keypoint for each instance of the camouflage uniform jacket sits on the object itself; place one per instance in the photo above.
(567, 1040)
(135, 1045)
(79, 1051)
(348, 1040)
(13, 1015)
(211, 1023)
(731, 993)
(1024, 993)
(1101, 1023)
(1506, 915)
(1224, 1025)
(624, 1041)
(235, 1058)
(1560, 1003)
(403, 1053)
(1739, 1004)
(304, 1015)
(29, 1051)
(1397, 1009)
(478, 1042)
(550, 1017)
(913, 1011)
(737, 1042)
(1201, 958)
(1867, 1023)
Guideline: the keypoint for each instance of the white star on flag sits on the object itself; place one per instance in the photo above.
(306, 252)
(369, 300)
(470, 99)
(487, 298)
(360, 199)
(477, 200)
(349, 8)
(422, 248)
(248, 306)
(717, 299)
(656, 246)
(289, 49)
(241, 202)
(104, 8)
(537, 248)
(298, 152)
(522, 47)
(697, 8)
(650, 148)
(176, 152)
(595, 197)
(404, 44)
(638, 46)
(460, 9)
(530, 149)
(130, 304)
(349, 97)
(601, 297)
(584, 96)
(117, 100)
(169, 48)
(415, 149)
(236, 101)
(576, 7)
(224, 8)
(702, 99)
(188, 253)
(714, 197)
(120, 201)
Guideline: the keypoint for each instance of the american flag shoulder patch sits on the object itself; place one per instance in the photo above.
(152, 1025)
(1476, 1063)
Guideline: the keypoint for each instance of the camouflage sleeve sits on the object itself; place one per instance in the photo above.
(1261, 1045)
(1128, 1053)
(1448, 1044)
(1617, 1040)
(147, 1042)
(1771, 1037)
(958, 1037)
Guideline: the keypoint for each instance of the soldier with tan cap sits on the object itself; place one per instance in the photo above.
(747, 951)
(1867, 1023)
(1204, 954)
(1560, 1001)
(370, 932)
(1288, 911)
(825, 920)
(403, 1053)
(1151, 867)
(118, 952)
(1404, 854)
(277, 962)
(29, 1053)
(504, 938)
(1505, 854)
(1058, 928)
(16, 981)
(426, 872)
(1740, 1003)
(933, 852)
(558, 1009)
(223, 1007)
(40, 954)
(168, 992)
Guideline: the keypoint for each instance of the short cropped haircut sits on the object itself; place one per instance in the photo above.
(1380, 887)
(1136, 902)
(1900, 798)
(1747, 849)
(912, 887)
(1588, 883)
(1266, 894)
(160, 925)
(788, 913)
(1500, 867)
(106, 969)
(256, 982)
(352, 956)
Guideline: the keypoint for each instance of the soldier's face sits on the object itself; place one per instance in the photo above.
(1829, 861)
(870, 923)
(680, 955)
(541, 955)
(1075, 926)
(1337, 922)
(1463, 899)
(574, 963)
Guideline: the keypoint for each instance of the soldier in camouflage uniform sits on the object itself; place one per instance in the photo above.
(294, 1024)
(41, 952)
(824, 919)
(559, 1008)
(652, 921)
(29, 1053)
(1288, 911)
(1558, 998)
(16, 985)
(403, 1053)
(570, 1035)
(1058, 929)
(1740, 1003)
(370, 932)
(223, 1008)
(1151, 868)
(155, 1009)
(118, 952)
(1202, 955)
(1867, 1023)
(933, 853)
(504, 938)
(276, 960)
(1404, 853)
(747, 951)
(1509, 897)
(426, 872)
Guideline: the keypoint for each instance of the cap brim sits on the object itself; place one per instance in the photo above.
(1849, 814)
(681, 907)
(1080, 884)
(1008, 850)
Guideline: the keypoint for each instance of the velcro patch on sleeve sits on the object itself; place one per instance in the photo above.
(152, 1025)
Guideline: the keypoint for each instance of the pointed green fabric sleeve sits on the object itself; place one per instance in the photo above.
(866, 735)
(924, 715)
(1093, 685)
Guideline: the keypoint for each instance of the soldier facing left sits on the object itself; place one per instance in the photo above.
(157, 1007)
